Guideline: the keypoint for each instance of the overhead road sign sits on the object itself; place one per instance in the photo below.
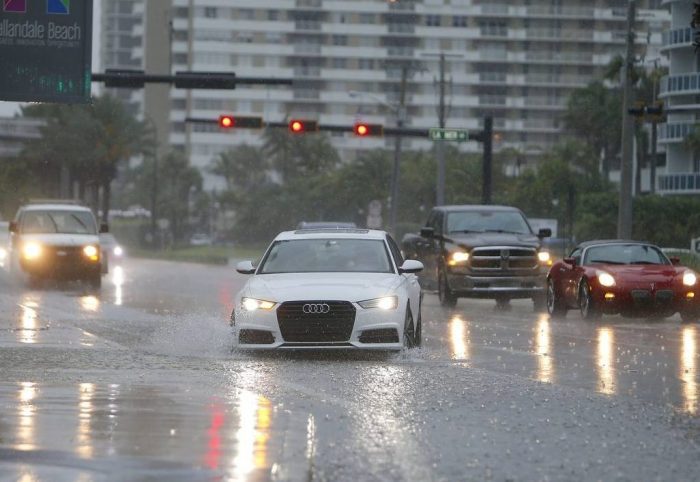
(450, 135)
(46, 50)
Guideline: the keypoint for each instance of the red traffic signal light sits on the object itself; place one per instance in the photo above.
(363, 130)
(298, 126)
(249, 122)
(226, 121)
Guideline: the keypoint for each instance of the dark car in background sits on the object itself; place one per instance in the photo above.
(477, 251)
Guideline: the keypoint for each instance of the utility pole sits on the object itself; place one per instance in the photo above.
(439, 148)
(400, 118)
(624, 217)
(487, 182)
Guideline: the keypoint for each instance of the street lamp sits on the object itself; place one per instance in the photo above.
(400, 112)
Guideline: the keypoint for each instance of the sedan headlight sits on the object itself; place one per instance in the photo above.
(458, 257)
(251, 304)
(383, 303)
(32, 251)
(605, 279)
(689, 278)
(91, 252)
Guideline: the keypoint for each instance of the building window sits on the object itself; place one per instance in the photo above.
(432, 20)
(339, 63)
(272, 15)
(211, 12)
(459, 21)
(340, 40)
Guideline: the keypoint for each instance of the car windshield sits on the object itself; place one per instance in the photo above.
(327, 256)
(487, 221)
(64, 222)
(625, 254)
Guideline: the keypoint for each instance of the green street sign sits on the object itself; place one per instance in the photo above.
(46, 50)
(449, 135)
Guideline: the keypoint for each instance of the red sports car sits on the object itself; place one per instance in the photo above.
(622, 277)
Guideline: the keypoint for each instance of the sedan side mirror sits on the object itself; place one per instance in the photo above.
(544, 233)
(245, 267)
(427, 232)
(13, 228)
(675, 260)
(411, 266)
(571, 261)
(104, 228)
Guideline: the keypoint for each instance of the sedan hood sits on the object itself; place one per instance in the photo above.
(321, 286)
(473, 240)
(62, 239)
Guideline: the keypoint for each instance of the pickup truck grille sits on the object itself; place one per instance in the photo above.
(503, 258)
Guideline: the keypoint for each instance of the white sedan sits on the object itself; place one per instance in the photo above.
(330, 288)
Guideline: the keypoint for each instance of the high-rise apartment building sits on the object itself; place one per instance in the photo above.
(680, 91)
(516, 60)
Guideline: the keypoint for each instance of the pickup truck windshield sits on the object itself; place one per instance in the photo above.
(55, 222)
(487, 221)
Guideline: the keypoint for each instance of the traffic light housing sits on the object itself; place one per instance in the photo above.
(365, 130)
(299, 126)
(245, 122)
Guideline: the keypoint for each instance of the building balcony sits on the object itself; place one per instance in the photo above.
(680, 37)
(679, 183)
(675, 132)
(683, 84)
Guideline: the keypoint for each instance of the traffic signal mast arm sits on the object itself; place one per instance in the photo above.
(136, 79)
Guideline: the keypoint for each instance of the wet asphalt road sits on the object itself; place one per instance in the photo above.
(140, 383)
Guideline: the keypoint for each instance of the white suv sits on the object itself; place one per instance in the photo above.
(56, 241)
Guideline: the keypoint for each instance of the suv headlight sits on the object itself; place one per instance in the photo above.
(32, 251)
(251, 304)
(689, 278)
(544, 257)
(383, 303)
(91, 252)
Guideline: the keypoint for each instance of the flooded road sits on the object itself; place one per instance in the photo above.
(141, 382)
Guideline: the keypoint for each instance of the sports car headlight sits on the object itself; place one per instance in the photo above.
(689, 278)
(31, 251)
(91, 252)
(605, 279)
(251, 304)
(458, 257)
(384, 303)
(544, 256)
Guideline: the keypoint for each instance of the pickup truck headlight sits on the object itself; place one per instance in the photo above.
(384, 303)
(458, 257)
(251, 304)
(32, 251)
(689, 278)
(544, 257)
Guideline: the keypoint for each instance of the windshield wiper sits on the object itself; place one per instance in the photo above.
(502, 231)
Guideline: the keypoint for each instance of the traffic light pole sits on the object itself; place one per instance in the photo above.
(440, 149)
(487, 166)
(396, 168)
(624, 215)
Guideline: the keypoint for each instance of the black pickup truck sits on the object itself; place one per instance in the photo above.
(479, 251)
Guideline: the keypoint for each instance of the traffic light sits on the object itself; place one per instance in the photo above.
(246, 122)
(364, 130)
(298, 126)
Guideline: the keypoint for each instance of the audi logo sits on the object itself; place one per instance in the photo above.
(316, 308)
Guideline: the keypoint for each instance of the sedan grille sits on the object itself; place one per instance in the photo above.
(503, 258)
(316, 321)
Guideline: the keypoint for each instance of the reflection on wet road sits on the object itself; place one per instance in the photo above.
(141, 379)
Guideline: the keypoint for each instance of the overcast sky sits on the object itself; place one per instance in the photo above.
(8, 109)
